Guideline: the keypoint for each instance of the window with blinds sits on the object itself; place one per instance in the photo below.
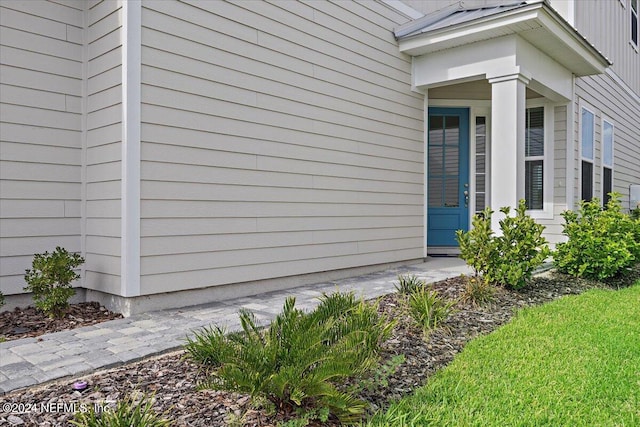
(607, 161)
(587, 129)
(481, 163)
(534, 159)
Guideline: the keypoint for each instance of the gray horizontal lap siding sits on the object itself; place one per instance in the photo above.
(40, 133)
(607, 98)
(278, 138)
(103, 147)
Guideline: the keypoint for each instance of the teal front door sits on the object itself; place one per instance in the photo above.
(447, 175)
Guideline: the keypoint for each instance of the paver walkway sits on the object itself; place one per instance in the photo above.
(31, 361)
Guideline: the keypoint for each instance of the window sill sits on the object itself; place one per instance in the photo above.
(541, 213)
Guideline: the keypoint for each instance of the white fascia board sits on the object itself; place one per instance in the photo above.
(131, 78)
(592, 61)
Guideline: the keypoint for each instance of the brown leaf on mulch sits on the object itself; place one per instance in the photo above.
(31, 322)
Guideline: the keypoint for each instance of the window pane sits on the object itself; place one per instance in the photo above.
(435, 192)
(607, 185)
(587, 134)
(587, 181)
(451, 198)
(480, 144)
(607, 144)
(452, 122)
(534, 136)
(534, 184)
(436, 122)
(480, 164)
(435, 160)
(452, 133)
(481, 125)
(634, 29)
(451, 161)
(480, 202)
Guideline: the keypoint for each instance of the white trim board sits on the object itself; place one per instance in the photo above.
(131, 77)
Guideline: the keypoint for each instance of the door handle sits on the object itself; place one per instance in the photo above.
(466, 198)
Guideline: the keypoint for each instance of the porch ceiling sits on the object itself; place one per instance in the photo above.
(534, 21)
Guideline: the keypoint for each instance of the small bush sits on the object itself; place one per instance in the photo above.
(408, 283)
(509, 259)
(129, 412)
(602, 243)
(520, 249)
(50, 280)
(428, 308)
(477, 246)
(299, 359)
(477, 291)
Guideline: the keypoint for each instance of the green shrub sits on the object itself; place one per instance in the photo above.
(602, 242)
(477, 246)
(408, 283)
(509, 259)
(50, 280)
(298, 361)
(477, 291)
(428, 308)
(129, 412)
(520, 249)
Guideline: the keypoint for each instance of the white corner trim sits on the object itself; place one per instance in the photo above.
(131, 77)
(83, 121)
(570, 182)
(425, 172)
(403, 8)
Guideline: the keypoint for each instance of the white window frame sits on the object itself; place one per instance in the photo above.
(592, 160)
(479, 111)
(603, 165)
(548, 163)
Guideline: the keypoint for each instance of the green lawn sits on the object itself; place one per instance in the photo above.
(573, 362)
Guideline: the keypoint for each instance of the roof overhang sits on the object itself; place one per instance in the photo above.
(535, 21)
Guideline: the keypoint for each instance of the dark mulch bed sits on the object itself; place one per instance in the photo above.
(174, 380)
(31, 322)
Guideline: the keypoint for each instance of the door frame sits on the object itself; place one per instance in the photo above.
(476, 108)
(465, 155)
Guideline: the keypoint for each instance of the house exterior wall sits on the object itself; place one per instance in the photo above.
(607, 25)
(41, 55)
(103, 158)
(278, 138)
(607, 98)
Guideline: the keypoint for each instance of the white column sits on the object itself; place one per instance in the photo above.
(508, 103)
